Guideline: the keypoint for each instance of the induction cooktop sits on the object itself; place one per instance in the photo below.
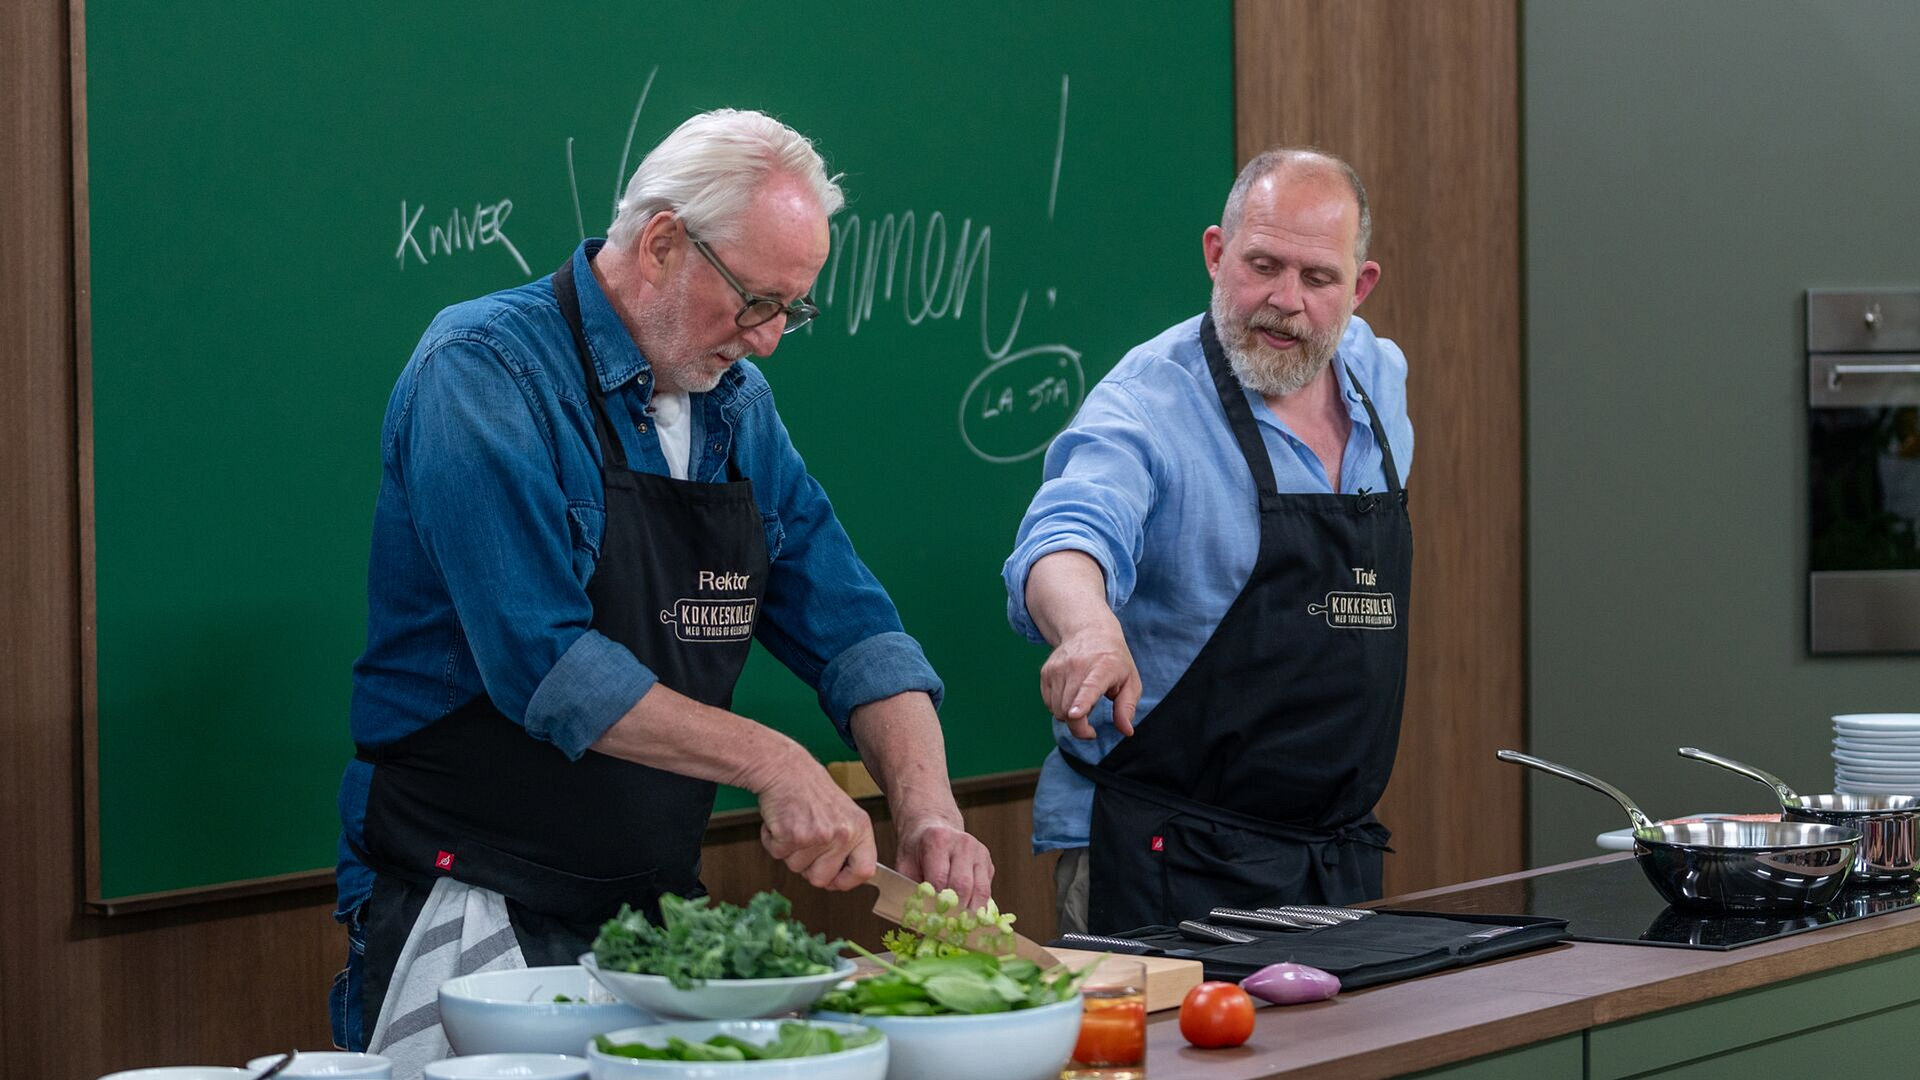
(1614, 902)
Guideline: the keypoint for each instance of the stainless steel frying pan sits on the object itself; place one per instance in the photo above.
(1729, 866)
(1889, 825)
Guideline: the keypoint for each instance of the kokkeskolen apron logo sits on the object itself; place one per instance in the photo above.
(715, 619)
(1359, 610)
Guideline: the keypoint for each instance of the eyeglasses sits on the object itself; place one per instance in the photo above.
(754, 308)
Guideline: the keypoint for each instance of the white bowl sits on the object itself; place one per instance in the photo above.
(1878, 723)
(1867, 787)
(1027, 1044)
(860, 1063)
(509, 1067)
(1872, 758)
(719, 999)
(1877, 737)
(1888, 771)
(184, 1072)
(341, 1064)
(506, 1012)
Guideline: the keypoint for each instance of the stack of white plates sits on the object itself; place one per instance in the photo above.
(1876, 754)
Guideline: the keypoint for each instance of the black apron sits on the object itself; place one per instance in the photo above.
(1252, 782)
(681, 572)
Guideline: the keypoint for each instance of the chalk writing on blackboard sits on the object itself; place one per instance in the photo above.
(1010, 411)
(1013, 408)
(462, 231)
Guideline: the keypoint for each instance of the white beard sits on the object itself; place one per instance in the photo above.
(1263, 369)
(680, 366)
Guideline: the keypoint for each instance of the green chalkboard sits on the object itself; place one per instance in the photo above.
(281, 196)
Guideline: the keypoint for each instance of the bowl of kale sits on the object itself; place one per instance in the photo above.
(715, 961)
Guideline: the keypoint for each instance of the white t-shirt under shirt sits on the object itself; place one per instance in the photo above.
(676, 435)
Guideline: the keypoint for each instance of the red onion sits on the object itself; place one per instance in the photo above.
(1290, 984)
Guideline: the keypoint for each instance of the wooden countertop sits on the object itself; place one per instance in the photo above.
(1455, 1015)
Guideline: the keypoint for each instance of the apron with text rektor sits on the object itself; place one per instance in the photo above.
(679, 581)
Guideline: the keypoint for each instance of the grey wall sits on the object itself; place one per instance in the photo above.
(1690, 169)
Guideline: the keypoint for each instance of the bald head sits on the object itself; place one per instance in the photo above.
(1299, 163)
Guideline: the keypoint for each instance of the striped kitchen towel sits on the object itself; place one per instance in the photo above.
(461, 929)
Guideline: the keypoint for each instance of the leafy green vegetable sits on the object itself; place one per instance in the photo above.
(697, 940)
(794, 1041)
(954, 982)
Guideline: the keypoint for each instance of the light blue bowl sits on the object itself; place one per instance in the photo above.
(513, 1012)
(719, 999)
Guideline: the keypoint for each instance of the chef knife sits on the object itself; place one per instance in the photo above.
(896, 891)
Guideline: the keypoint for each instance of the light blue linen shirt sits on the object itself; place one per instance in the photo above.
(1149, 481)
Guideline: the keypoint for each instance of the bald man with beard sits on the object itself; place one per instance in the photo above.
(1219, 554)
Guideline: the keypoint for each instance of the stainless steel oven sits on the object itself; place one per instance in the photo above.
(1863, 420)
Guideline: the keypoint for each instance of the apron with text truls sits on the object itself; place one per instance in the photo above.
(1252, 782)
(679, 581)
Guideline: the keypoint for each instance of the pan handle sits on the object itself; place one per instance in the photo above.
(1779, 786)
(1639, 818)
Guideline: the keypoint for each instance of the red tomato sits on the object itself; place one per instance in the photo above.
(1216, 1014)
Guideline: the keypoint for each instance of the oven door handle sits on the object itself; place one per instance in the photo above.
(1837, 371)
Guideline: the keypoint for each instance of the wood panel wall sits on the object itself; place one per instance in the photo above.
(1420, 97)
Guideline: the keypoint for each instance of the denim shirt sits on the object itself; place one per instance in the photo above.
(1149, 481)
(489, 522)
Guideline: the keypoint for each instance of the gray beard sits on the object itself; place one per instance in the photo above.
(1267, 371)
(680, 366)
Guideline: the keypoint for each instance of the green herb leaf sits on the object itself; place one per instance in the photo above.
(699, 940)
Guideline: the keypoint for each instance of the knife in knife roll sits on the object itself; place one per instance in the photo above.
(1193, 930)
(1303, 915)
(1266, 920)
(1103, 944)
(1336, 914)
(896, 892)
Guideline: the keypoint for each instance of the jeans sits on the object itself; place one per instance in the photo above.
(343, 1000)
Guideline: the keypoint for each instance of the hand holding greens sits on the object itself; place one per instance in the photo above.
(698, 940)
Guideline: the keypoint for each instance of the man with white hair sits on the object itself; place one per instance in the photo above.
(588, 510)
(1219, 554)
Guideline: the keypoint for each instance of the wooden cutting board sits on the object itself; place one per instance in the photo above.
(1168, 977)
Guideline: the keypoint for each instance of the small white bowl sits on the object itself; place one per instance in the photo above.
(719, 999)
(1026, 1044)
(184, 1072)
(509, 1067)
(867, 1062)
(507, 1012)
(331, 1064)
(1878, 725)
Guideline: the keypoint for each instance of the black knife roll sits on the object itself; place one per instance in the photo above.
(1380, 948)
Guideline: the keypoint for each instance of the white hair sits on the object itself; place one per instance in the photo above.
(706, 173)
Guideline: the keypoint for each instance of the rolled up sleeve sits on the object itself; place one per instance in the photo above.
(1096, 493)
(594, 684)
(879, 667)
(827, 618)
